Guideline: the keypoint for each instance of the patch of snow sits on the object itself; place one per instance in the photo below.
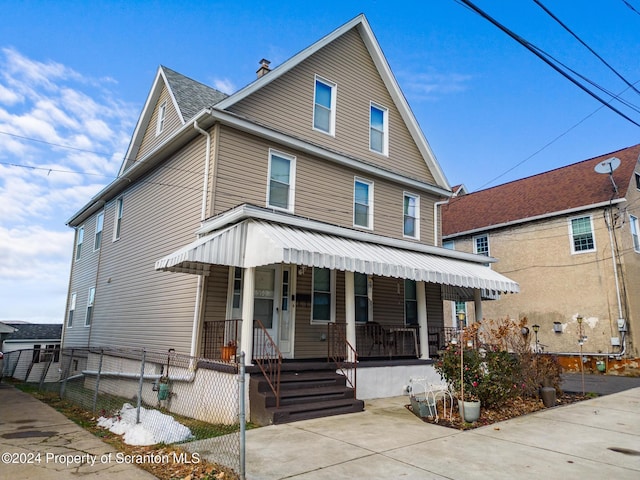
(154, 427)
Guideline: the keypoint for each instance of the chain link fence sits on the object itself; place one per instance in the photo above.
(148, 397)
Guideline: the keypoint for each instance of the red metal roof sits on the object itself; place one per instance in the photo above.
(564, 188)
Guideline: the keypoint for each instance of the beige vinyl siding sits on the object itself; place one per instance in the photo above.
(171, 123)
(216, 294)
(323, 190)
(135, 305)
(286, 104)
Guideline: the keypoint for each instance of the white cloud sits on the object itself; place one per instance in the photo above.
(224, 85)
(430, 86)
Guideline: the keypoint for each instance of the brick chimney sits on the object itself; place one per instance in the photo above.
(264, 67)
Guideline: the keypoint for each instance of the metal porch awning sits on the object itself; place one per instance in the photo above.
(254, 243)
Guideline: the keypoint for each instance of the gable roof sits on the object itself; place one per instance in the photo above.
(188, 97)
(571, 188)
(34, 331)
(373, 47)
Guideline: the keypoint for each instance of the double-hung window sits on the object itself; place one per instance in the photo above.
(410, 302)
(72, 309)
(582, 239)
(280, 192)
(363, 203)
(361, 286)
(79, 241)
(117, 221)
(378, 129)
(90, 301)
(99, 226)
(635, 230)
(162, 113)
(411, 216)
(324, 107)
(323, 301)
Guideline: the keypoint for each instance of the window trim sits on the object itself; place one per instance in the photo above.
(332, 298)
(162, 116)
(79, 241)
(368, 295)
(416, 235)
(634, 227)
(475, 245)
(292, 180)
(91, 301)
(385, 128)
(571, 235)
(97, 238)
(332, 109)
(370, 184)
(117, 218)
(72, 309)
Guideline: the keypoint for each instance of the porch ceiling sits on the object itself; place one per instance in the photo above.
(254, 243)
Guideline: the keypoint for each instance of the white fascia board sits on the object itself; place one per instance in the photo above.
(533, 219)
(245, 212)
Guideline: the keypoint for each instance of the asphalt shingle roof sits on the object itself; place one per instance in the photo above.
(191, 96)
(35, 331)
(565, 188)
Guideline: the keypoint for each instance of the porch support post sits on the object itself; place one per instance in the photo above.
(421, 297)
(350, 311)
(477, 300)
(248, 289)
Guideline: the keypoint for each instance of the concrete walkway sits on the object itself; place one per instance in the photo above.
(37, 442)
(594, 439)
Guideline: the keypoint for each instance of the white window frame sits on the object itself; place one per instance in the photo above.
(475, 245)
(368, 295)
(332, 298)
(455, 311)
(385, 129)
(412, 300)
(571, 235)
(369, 183)
(332, 108)
(97, 239)
(292, 180)
(162, 116)
(416, 235)
(117, 219)
(79, 241)
(635, 232)
(72, 310)
(91, 300)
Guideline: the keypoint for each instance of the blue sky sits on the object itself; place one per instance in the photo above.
(77, 74)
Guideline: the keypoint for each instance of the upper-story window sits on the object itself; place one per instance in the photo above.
(637, 180)
(635, 230)
(79, 241)
(481, 245)
(324, 108)
(117, 221)
(363, 203)
(323, 301)
(162, 113)
(378, 129)
(280, 193)
(449, 244)
(582, 239)
(99, 226)
(411, 216)
(72, 309)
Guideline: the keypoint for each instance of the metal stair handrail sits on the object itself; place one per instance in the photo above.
(268, 358)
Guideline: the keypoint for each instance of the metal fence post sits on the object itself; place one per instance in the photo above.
(242, 415)
(144, 353)
(66, 375)
(95, 394)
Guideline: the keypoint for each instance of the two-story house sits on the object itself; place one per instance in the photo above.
(291, 220)
(569, 237)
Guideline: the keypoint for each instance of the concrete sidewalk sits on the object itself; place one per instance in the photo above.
(36, 441)
(594, 439)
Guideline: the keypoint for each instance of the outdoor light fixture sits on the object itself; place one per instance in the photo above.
(536, 327)
(580, 342)
(524, 331)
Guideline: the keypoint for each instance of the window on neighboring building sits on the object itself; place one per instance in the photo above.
(324, 110)
(582, 235)
(99, 225)
(72, 309)
(378, 129)
(460, 320)
(90, 301)
(323, 299)
(361, 292)
(638, 180)
(363, 203)
(281, 181)
(410, 303)
(635, 228)
(450, 244)
(117, 221)
(411, 210)
(79, 241)
(481, 245)
(162, 113)
(35, 356)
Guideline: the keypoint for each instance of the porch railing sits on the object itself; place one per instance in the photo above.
(439, 338)
(220, 339)
(343, 354)
(267, 357)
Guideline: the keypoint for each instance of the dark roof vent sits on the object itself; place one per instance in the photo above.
(264, 67)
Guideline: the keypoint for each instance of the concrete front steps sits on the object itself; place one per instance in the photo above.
(307, 390)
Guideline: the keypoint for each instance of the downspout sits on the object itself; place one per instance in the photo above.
(435, 219)
(195, 333)
(615, 275)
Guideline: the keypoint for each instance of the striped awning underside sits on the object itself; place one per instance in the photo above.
(254, 243)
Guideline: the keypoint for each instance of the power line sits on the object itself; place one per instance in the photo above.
(631, 7)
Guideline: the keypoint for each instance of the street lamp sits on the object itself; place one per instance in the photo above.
(536, 327)
(461, 316)
(581, 342)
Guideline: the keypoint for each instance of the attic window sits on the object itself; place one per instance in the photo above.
(638, 181)
(324, 109)
(162, 112)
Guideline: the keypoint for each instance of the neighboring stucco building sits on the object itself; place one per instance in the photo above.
(570, 238)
